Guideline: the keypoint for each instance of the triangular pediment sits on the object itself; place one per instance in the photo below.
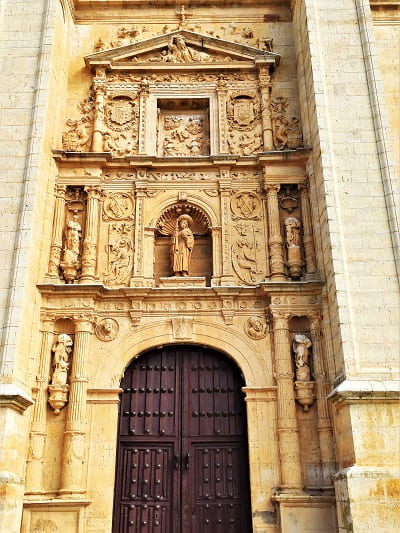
(178, 48)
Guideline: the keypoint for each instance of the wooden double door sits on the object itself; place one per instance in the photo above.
(182, 460)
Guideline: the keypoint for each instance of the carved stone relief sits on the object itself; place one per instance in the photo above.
(256, 327)
(77, 138)
(107, 329)
(119, 254)
(121, 122)
(243, 115)
(179, 51)
(58, 388)
(246, 204)
(42, 525)
(247, 253)
(117, 206)
(182, 327)
(286, 130)
(181, 176)
(183, 134)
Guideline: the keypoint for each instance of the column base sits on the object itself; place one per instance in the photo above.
(306, 512)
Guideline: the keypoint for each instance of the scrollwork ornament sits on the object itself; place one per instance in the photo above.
(256, 327)
(107, 329)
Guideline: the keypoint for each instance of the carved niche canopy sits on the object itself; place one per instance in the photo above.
(180, 48)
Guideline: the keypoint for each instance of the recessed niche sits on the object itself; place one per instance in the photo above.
(183, 127)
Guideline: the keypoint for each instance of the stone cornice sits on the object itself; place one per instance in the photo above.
(354, 391)
(13, 397)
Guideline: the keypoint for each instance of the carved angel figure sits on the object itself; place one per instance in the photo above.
(182, 243)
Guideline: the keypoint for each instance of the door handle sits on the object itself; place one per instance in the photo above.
(187, 461)
(176, 460)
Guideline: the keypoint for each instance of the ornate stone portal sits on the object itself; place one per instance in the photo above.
(183, 218)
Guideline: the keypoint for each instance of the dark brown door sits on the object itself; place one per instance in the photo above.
(182, 464)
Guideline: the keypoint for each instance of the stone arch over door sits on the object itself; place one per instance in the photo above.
(182, 454)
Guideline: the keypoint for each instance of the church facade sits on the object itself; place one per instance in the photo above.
(200, 288)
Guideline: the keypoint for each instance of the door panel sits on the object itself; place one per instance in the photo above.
(182, 462)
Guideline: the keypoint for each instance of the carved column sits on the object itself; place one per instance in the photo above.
(265, 91)
(37, 436)
(138, 270)
(288, 436)
(307, 230)
(98, 123)
(56, 238)
(75, 427)
(144, 96)
(222, 92)
(325, 432)
(89, 254)
(225, 195)
(275, 241)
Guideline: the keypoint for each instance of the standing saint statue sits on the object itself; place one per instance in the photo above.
(182, 243)
(70, 261)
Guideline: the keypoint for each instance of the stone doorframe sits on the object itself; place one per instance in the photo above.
(260, 399)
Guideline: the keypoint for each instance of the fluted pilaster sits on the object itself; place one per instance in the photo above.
(222, 92)
(324, 425)
(275, 241)
(56, 237)
(138, 267)
(37, 436)
(289, 446)
(307, 231)
(89, 255)
(75, 428)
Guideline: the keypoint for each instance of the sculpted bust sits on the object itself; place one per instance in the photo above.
(107, 329)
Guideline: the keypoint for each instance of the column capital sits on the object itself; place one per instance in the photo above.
(84, 323)
(47, 322)
(271, 189)
(315, 320)
(280, 318)
(95, 192)
(60, 191)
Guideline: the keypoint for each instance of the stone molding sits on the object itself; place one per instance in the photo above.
(362, 391)
(13, 397)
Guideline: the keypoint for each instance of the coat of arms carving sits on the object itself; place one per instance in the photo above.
(121, 113)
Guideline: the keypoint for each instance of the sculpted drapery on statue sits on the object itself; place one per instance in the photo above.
(182, 243)
(70, 261)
